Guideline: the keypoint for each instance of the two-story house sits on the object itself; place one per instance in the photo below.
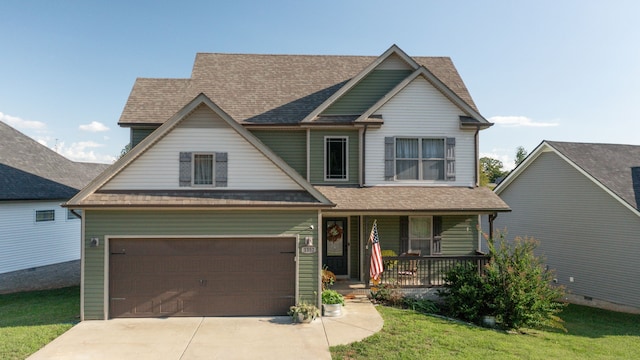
(247, 178)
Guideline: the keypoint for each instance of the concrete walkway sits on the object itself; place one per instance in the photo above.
(214, 337)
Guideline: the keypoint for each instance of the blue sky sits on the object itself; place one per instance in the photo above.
(555, 70)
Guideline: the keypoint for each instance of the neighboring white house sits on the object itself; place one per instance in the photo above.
(582, 202)
(35, 230)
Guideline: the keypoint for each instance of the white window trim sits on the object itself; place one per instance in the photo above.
(35, 217)
(420, 159)
(429, 239)
(324, 162)
(213, 169)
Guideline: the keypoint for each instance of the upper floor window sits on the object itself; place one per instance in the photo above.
(45, 215)
(336, 158)
(420, 159)
(203, 169)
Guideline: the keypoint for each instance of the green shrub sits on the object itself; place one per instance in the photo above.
(387, 294)
(332, 297)
(424, 306)
(514, 286)
(464, 294)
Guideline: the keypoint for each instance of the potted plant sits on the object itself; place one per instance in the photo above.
(332, 302)
(303, 312)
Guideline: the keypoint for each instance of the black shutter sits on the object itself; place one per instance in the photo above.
(404, 234)
(389, 158)
(450, 162)
(221, 169)
(185, 169)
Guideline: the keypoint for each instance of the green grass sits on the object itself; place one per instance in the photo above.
(592, 334)
(30, 320)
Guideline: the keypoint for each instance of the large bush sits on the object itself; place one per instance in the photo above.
(514, 286)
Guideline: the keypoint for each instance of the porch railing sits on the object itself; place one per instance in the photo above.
(425, 271)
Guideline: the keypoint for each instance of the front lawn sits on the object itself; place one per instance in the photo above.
(30, 320)
(592, 334)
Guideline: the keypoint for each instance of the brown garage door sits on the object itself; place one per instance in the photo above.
(201, 277)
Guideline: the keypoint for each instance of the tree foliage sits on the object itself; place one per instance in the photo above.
(491, 169)
(514, 286)
(521, 154)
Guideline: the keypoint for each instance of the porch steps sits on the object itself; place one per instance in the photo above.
(351, 288)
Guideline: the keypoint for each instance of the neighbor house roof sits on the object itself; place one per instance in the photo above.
(413, 198)
(609, 165)
(268, 89)
(31, 171)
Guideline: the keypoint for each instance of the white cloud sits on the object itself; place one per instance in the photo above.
(517, 121)
(94, 127)
(19, 123)
(83, 151)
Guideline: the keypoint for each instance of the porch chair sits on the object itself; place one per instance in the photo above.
(408, 274)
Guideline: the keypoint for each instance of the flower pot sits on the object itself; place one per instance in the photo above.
(304, 320)
(332, 310)
(488, 321)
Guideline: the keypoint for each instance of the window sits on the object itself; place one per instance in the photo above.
(45, 215)
(203, 169)
(72, 216)
(420, 159)
(420, 232)
(336, 158)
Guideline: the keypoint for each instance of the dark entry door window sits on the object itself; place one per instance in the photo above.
(335, 245)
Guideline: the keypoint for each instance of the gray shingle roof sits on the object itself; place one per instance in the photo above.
(30, 171)
(413, 198)
(610, 164)
(200, 198)
(263, 89)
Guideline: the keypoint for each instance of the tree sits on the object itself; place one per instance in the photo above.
(491, 168)
(125, 150)
(521, 154)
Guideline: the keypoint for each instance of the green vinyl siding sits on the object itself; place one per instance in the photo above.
(388, 232)
(139, 134)
(459, 235)
(367, 92)
(291, 146)
(179, 223)
(354, 247)
(316, 158)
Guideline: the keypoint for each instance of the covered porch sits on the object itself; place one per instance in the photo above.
(423, 232)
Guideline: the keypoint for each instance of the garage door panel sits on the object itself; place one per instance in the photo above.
(201, 277)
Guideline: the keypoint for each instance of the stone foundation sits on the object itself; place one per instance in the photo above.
(41, 278)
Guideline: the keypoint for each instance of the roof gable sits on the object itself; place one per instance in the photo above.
(435, 82)
(610, 166)
(181, 120)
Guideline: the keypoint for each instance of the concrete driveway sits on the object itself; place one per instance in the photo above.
(214, 337)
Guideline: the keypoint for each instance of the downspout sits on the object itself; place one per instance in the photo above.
(363, 152)
(75, 213)
(492, 218)
(477, 174)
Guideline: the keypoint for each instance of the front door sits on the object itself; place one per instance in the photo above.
(335, 245)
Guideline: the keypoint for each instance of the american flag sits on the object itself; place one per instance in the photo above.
(375, 268)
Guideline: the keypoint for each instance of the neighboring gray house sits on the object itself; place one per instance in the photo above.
(39, 240)
(582, 202)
